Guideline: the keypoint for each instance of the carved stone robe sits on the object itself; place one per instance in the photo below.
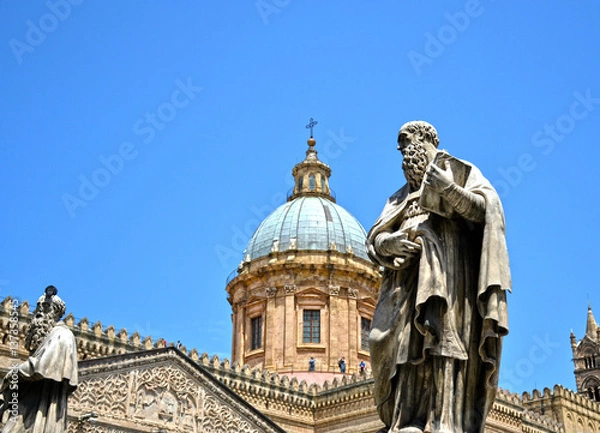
(436, 333)
(46, 379)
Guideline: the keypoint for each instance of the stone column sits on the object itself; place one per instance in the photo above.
(270, 329)
(353, 324)
(290, 324)
(336, 328)
(240, 334)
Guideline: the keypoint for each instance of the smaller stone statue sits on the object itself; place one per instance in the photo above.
(34, 393)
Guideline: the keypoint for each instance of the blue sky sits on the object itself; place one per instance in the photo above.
(142, 144)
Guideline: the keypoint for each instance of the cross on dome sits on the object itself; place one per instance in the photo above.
(311, 124)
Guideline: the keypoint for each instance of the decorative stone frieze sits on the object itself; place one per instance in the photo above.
(161, 389)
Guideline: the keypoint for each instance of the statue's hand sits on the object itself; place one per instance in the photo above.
(393, 244)
(407, 252)
(397, 246)
(437, 178)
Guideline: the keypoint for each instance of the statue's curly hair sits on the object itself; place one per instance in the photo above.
(58, 305)
(423, 130)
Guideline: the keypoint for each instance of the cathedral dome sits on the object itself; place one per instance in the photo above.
(308, 223)
(305, 289)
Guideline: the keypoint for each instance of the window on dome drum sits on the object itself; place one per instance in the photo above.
(311, 327)
(322, 184)
(300, 179)
(365, 328)
(256, 325)
(312, 183)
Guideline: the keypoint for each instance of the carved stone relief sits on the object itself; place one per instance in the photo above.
(162, 395)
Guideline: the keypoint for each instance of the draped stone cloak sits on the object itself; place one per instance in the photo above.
(46, 379)
(456, 287)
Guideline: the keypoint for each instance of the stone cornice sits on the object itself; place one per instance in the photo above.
(276, 263)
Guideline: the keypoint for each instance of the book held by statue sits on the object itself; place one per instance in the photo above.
(433, 201)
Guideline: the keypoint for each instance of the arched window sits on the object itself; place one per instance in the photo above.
(300, 182)
(591, 387)
(322, 184)
(312, 183)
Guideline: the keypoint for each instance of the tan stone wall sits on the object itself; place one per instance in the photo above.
(577, 414)
(280, 287)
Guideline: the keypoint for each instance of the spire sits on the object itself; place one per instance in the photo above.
(311, 176)
(591, 328)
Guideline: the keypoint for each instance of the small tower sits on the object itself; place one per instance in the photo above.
(586, 357)
(305, 287)
(311, 176)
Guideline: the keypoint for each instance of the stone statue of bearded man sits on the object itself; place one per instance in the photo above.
(436, 334)
(37, 401)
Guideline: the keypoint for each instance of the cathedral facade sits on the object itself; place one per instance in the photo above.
(302, 302)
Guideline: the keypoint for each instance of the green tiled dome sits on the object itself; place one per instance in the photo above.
(308, 223)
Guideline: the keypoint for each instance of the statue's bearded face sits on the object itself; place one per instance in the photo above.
(41, 324)
(414, 162)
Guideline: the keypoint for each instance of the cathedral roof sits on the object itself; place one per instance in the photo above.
(308, 223)
(310, 220)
